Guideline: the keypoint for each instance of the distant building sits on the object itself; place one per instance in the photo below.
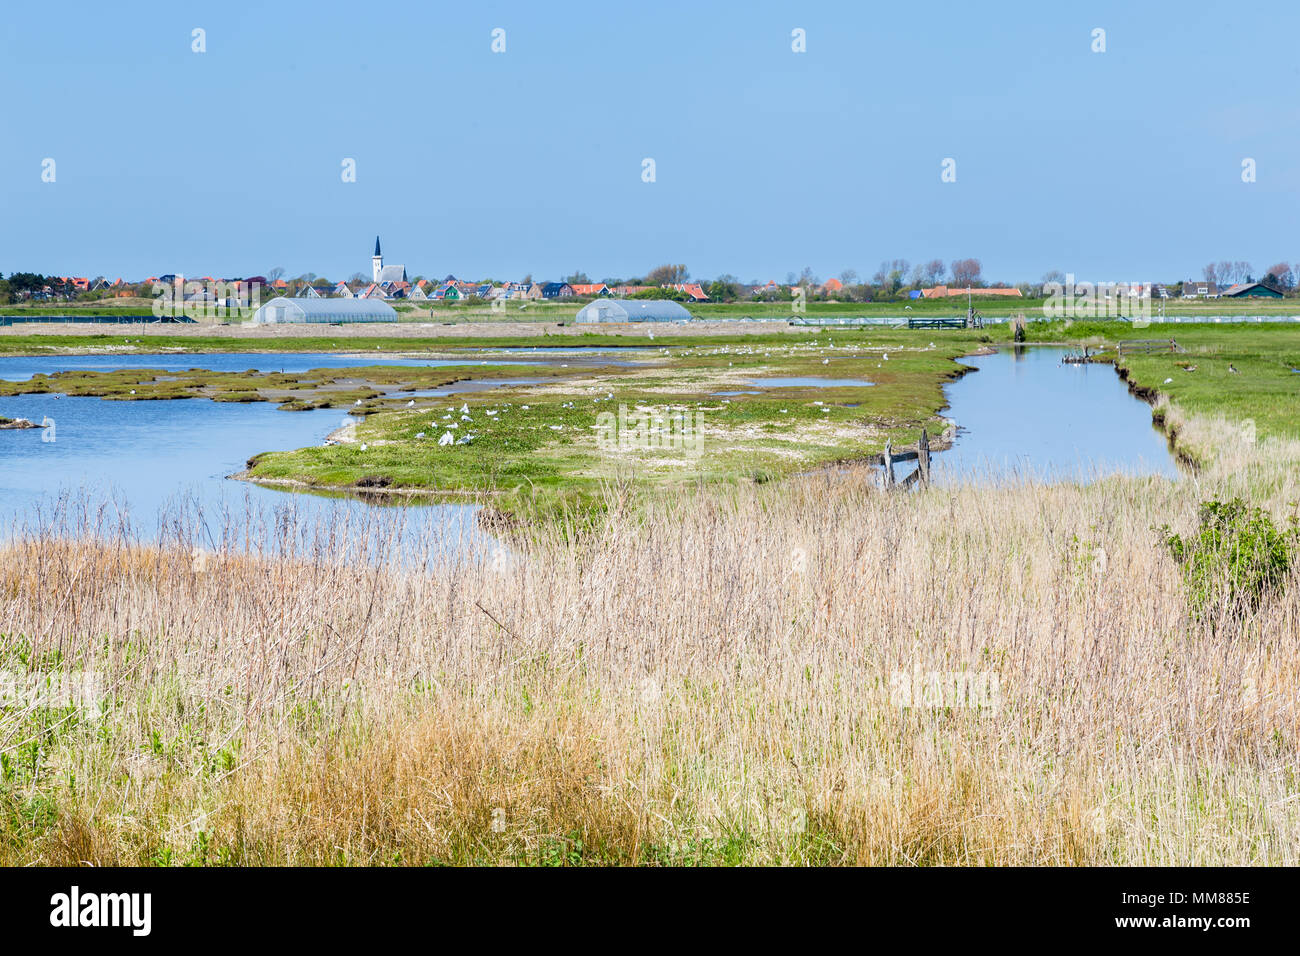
(383, 273)
(628, 310)
(1193, 289)
(692, 291)
(281, 311)
(1252, 290)
(585, 289)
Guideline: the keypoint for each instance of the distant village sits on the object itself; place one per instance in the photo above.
(894, 281)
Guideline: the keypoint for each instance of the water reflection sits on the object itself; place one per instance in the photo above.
(1025, 415)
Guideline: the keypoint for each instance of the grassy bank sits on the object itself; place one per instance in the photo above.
(539, 449)
(711, 679)
(550, 448)
(362, 389)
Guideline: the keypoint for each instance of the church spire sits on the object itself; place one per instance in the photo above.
(377, 252)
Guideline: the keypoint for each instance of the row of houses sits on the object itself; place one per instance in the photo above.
(452, 289)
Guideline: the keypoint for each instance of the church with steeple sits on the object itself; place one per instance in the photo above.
(385, 273)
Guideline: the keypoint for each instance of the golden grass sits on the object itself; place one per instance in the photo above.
(705, 681)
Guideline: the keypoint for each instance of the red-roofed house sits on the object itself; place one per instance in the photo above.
(693, 290)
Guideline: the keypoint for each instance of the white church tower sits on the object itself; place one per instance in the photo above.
(377, 260)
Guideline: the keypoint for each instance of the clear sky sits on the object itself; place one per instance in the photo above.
(1122, 165)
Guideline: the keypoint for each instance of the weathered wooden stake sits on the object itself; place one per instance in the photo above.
(923, 458)
(889, 465)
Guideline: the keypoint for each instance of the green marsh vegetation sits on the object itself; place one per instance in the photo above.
(704, 677)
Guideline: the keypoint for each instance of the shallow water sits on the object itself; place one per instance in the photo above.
(19, 368)
(1025, 415)
(156, 459)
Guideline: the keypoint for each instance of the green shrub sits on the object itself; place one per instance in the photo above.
(1236, 558)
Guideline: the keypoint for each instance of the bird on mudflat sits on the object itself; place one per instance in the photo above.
(1232, 368)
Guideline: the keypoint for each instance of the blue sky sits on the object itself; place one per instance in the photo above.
(1115, 166)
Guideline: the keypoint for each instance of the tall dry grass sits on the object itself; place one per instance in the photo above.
(706, 680)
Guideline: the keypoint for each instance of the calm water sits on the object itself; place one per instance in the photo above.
(154, 460)
(19, 368)
(1020, 414)
(1024, 414)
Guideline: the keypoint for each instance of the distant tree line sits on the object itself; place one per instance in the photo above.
(895, 279)
(23, 285)
(1280, 276)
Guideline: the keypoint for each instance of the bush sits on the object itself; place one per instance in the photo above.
(1236, 558)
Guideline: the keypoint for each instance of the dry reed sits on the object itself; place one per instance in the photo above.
(712, 679)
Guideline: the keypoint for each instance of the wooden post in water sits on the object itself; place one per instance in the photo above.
(923, 458)
(889, 465)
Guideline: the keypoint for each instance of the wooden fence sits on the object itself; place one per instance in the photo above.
(890, 457)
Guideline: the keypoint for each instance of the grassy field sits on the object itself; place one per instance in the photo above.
(778, 673)
(803, 671)
(541, 449)
(538, 449)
